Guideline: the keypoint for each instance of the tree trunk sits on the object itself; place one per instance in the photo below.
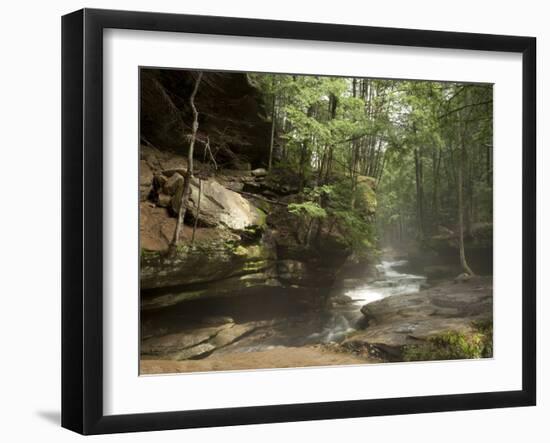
(436, 164)
(328, 170)
(488, 174)
(400, 228)
(471, 198)
(189, 173)
(308, 232)
(463, 261)
(382, 165)
(322, 166)
(303, 154)
(353, 172)
(198, 213)
(273, 100)
(419, 192)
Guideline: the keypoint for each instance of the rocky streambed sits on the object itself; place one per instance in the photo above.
(365, 320)
(244, 291)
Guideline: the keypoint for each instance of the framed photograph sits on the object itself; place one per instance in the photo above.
(269, 221)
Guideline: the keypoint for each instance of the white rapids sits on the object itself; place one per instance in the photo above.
(340, 320)
(391, 282)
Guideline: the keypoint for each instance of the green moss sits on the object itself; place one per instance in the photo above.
(255, 266)
(146, 253)
(263, 217)
(240, 250)
(367, 197)
(255, 231)
(182, 249)
(251, 252)
(454, 345)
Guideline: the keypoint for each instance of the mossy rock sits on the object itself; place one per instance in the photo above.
(258, 251)
(205, 262)
(262, 217)
(453, 345)
(366, 200)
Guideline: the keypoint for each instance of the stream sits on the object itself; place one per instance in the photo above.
(333, 324)
(343, 319)
(289, 323)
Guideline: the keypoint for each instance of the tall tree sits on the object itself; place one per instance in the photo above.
(273, 120)
(462, 251)
(189, 172)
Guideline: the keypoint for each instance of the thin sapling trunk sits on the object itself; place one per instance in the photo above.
(189, 173)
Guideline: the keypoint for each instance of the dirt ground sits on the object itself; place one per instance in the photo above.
(280, 357)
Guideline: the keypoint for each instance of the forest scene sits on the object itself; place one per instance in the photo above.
(292, 221)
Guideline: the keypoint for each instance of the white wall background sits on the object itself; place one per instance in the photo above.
(30, 219)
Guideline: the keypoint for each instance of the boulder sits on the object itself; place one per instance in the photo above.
(234, 185)
(159, 181)
(172, 162)
(169, 172)
(366, 196)
(164, 200)
(217, 266)
(219, 206)
(402, 320)
(145, 180)
(229, 335)
(155, 231)
(341, 299)
(259, 172)
(174, 182)
(249, 283)
(171, 343)
(439, 271)
(196, 343)
(149, 154)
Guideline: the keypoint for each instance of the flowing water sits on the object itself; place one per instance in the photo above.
(344, 319)
(392, 282)
(335, 323)
(293, 324)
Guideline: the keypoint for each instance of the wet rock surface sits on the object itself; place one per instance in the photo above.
(242, 330)
(196, 343)
(397, 321)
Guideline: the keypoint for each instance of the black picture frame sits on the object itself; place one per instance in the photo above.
(82, 218)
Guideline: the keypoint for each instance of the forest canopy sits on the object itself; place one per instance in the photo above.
(372, 161)
(425, 146)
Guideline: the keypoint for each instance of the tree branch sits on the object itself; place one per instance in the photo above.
(471, 105)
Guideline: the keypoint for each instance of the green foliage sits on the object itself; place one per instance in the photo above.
(317, 192)
(358, 233)
(366, 202)
(407, 136)
(357, 229)
(308, 208)
(263, 216)
(436, 127)
(454, 345)
(147, 254)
